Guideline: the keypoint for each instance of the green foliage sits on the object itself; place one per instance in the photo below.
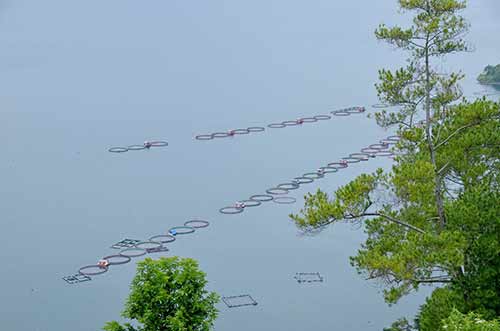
(438, 307)
(400, 325)
(169, 294)
(406, 247)
(437, 30)
(490, 75)
(350, 200)
(115, 326)
(469, 322)
(477, 215)
(434, 218)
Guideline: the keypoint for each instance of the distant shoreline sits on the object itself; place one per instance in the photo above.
(490, 76)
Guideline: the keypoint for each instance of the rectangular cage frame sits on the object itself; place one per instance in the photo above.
(77, 278)
(157, 249)
(309, 277)
(126, 243)
(249, 301)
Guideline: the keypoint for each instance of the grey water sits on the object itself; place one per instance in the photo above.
(78, 77)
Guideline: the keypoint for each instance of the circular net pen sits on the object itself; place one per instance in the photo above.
(277, 191)
(313, 175)
(380, 105)
(385, 105)
(291, 123)
(378, 146)
(387, 142)
(394, 138)
(197, 224)
(285, 200)
(163, 238)
(322, 117)
(361, 156)
(328, 170)
(231, 210)
(220, 135)
(261, 197)
(133, 252)
(239, 131)
(288, 186)
(340, 113)
(250, 203)
(158, 143)
(118, 149)
(338, 165)
(136, 147)
(351, 159)
(276, 126)
(117, 259)
(384, 153)
(369, 151)
(303, 180)
(151, 246)
(181, 230)
(355, 110)
(255, 129)
(92, 270)
(204, 137)
(308, 119)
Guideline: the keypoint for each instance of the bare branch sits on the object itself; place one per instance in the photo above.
(429, 281)
(389, 218)
(457, 131)
(443, 168)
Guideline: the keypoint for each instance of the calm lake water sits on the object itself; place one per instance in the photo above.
(77, 77)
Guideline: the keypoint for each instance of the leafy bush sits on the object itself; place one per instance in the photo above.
(169, 294)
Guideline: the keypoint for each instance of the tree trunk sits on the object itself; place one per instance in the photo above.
(430, 143)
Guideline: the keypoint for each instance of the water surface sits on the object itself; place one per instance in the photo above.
(79, 77)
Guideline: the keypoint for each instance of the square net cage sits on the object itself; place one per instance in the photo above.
(239, 301)
(308, 277)
(157, 249)
(126, 243)
(75, 279)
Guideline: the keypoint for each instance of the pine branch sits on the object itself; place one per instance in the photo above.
(457, 131)
(389, 218)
